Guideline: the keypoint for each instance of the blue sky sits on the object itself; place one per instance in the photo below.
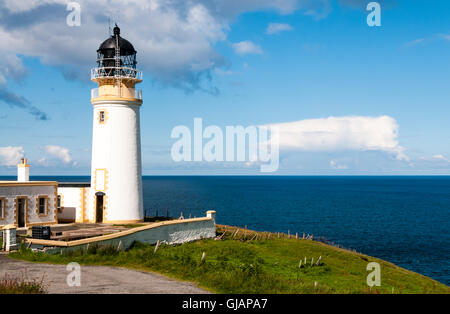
(326, 63)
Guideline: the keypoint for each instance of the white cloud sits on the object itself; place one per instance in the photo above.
(275, 28)
(10, 155)
(435, 158)
(246, 47)
(11, 66)
(175, 39)
(335, 165)
(43, 161)
(58, 152)
(415, 42)
(352, 133)
(441, 158)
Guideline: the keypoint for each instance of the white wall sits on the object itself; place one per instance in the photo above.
(171, 232)
(116, 148)
(73, 202)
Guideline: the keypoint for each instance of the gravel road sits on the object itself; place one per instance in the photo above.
(96, 279)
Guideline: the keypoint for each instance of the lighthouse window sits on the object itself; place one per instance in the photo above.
(42, 205)
(102, 116)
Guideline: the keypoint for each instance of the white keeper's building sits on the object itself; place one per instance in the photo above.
(114, 194)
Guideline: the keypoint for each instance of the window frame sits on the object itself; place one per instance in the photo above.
(3, 202)
(102, 116)
(46, 205)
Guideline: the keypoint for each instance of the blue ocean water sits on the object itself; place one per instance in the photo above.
(401, 219)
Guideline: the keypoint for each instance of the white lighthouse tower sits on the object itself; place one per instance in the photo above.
(116, 169)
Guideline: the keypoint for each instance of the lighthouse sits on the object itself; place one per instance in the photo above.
(116, 167)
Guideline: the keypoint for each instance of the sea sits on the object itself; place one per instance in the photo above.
(402, 219)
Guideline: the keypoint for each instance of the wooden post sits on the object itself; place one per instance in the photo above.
(156, 246)
(119, 246)
(223, 234)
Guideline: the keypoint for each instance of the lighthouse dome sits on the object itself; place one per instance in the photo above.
(106, 54)
(126, 48)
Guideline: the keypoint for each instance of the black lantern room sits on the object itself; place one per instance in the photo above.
(116, 55)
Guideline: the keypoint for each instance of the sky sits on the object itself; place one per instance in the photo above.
(349, 99)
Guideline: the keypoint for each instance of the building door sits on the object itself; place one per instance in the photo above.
(99, 207)
(21, 212)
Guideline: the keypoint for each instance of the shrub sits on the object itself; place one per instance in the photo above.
(21, 286)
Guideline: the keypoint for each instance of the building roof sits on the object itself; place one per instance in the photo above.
(27, 183)
(74, 184)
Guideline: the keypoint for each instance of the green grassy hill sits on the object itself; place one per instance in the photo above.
(242, 261)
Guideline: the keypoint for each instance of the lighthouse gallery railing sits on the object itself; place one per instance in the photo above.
(124, 73)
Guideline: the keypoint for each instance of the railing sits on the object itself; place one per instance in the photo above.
(128, 73)
(122, 92)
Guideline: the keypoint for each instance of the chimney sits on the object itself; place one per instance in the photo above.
(23, 171)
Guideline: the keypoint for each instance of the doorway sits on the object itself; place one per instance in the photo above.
(21, 212)
(99, 207)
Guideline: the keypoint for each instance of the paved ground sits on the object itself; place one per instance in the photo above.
(96, 279)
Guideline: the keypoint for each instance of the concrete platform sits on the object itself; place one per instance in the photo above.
(77, 231)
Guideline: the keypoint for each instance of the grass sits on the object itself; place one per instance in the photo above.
(251, 262)
(10, 285)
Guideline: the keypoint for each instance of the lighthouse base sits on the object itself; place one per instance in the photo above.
(122, 222)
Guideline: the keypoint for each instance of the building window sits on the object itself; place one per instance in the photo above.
(102, 116)
(42, 205)
(2, 208)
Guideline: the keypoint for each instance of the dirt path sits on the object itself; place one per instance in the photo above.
(96, 279)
